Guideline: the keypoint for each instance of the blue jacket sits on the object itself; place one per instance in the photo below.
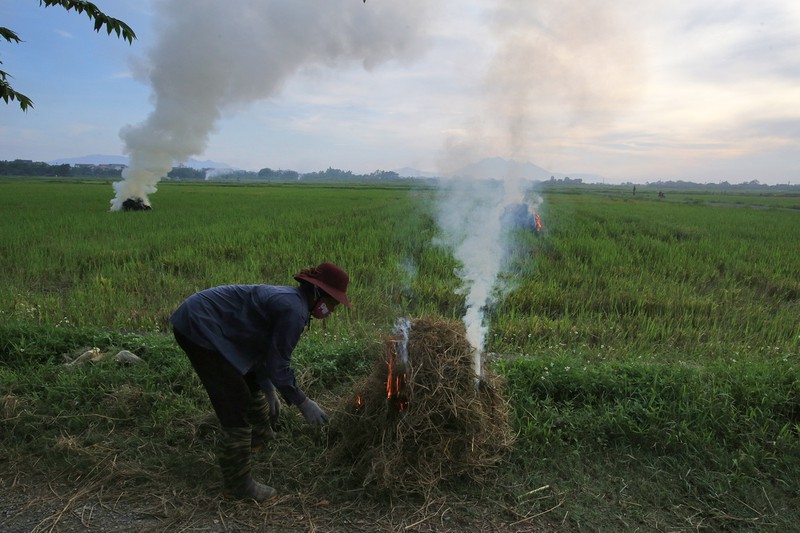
(255, 327)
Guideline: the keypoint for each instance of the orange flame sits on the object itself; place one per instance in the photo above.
(538, 223)
(359, 404)
(396, 379)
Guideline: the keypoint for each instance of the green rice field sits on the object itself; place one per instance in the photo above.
(612, 276)
(650, 349)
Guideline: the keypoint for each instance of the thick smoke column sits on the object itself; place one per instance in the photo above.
(470, 217)
(212, 56)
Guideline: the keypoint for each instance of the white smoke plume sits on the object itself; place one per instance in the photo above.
(212, 56)
(402, 327)
(471, 222)
(556, 63)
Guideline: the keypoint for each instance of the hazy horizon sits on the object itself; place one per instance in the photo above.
(703, 92)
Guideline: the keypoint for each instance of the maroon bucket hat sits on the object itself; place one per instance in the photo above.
(328, 277)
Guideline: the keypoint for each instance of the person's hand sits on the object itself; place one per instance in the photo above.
(274, 409)
(312, 412)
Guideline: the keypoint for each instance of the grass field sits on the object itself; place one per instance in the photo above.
(650, 348)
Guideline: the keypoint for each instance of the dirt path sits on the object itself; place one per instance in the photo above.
(30, 505)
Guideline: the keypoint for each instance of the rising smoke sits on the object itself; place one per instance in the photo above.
(558, 64)
(211, 57)
(470, 219)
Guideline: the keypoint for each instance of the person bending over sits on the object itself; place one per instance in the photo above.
(240, 339)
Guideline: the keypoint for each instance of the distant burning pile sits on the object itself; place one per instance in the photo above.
(520, 216)
(135, 204)
(419, 418)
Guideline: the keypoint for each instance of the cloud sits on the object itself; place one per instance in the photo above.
(558, 70)
(122, 75)
(597, 86)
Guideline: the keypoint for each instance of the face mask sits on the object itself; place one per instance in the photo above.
(320, 309)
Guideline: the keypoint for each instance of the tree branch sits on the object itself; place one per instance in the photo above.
(93, 12)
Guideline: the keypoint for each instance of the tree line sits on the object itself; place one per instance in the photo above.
(722, 186)
(22, 167)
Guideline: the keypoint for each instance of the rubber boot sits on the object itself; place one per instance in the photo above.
(234, 461)
(257, 415)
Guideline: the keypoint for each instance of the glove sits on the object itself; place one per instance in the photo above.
(312, 413)
(274, 409)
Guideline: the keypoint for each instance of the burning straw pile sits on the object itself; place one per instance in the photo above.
(422, 416)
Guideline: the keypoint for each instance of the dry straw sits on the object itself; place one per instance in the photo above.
(453, 427)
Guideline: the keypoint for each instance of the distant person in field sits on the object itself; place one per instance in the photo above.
(240, 339)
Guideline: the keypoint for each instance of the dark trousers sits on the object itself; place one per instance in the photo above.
(228, 390)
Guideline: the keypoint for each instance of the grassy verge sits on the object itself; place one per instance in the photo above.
(612, 445)
(664, 446)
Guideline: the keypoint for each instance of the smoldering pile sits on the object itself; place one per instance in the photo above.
(412, 424)
(136, 204)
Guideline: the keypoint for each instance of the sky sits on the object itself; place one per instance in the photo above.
(703, 91)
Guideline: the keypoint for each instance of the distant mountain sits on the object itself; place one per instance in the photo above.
(206, 163)
(490, 168)
(97, 159)
(499, 168)
(94, 159)
(408, 172)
